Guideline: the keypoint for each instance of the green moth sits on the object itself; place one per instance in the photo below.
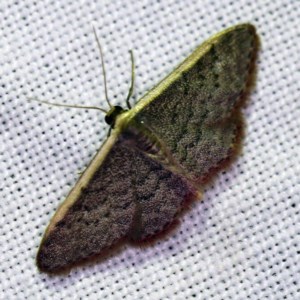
(158, 155)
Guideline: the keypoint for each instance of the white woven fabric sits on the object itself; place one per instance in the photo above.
(241, 242)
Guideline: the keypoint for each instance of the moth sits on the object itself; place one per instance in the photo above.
(158, 155)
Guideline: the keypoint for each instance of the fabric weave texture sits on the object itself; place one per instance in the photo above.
(242, 241)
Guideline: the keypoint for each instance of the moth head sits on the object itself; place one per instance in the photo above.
(112, 115)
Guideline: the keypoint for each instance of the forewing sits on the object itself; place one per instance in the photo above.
(191, 111)
(96, 214)
(122, 194)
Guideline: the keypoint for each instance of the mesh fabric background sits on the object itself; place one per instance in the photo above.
(240, 242)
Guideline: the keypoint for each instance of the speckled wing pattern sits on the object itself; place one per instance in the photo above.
(108, 206)
(130, 193)
(194, 115)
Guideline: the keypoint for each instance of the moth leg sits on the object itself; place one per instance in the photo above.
(109, 132)
(132, 80)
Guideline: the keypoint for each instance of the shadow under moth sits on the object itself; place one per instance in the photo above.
(158, 156)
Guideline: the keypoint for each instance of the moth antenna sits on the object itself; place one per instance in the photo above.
(103, 67)
(132, 80)
(67, 105)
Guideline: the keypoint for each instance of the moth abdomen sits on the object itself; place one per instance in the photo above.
(144, 139)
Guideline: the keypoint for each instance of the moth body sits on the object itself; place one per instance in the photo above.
(158, 154)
